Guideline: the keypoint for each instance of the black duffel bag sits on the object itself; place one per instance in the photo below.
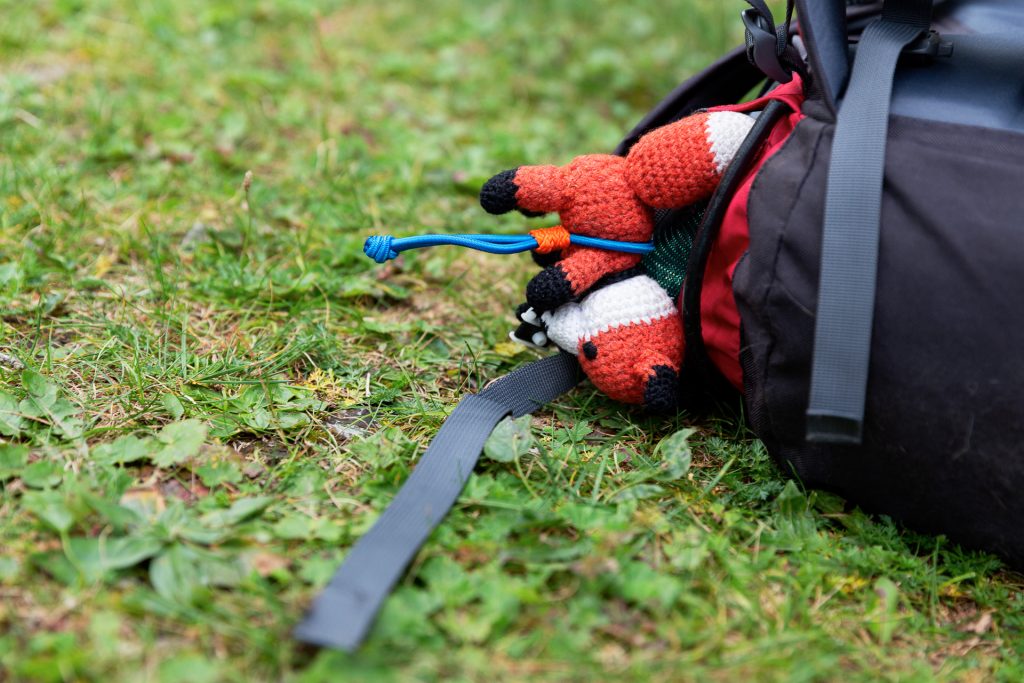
(889, 368)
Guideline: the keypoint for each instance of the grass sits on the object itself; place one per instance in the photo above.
(207, 392)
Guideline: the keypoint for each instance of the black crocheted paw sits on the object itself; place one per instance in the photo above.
(548, 289)
(498, 195)
(661, 395)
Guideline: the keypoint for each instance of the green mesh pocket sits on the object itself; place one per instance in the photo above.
(673, 239)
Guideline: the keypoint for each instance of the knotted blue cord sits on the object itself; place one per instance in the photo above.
(383, 248)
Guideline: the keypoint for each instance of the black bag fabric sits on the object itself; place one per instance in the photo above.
(943, 446)
(943, 440)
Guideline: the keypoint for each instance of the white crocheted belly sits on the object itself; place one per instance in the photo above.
(634, 301)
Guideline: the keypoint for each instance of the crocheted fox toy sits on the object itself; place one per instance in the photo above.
(599, 304)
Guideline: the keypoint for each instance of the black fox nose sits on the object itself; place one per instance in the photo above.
(498, 195)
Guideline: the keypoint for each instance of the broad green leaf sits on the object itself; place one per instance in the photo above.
(38, 387)
(239, 511)
(221, 471)
(318, 569)
(91, 560)
(11, 421)
(96, 557)
(12, 460)
(884, 609)
(42, 474)
(688, 550)
(119, 517)
(257, 419)
(172, 405)
(383, 448)
(9, 272)
(224, 425)
(64, 420)
(640, 584)
(122, 450)
(406, 618)
(175, 575)
(10, 567)
(510, 440)
(191, 668)
(794, 523)
(497, 605)
(121, 553)
(44, 404)
(204, 535)
(51, 507)
(675, 454)
(184, 574)
(577, 431)
(290, 419)
(637, 492)
(295, 527)
(181, 441)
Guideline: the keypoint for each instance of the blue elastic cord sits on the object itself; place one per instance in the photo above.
(382, 248)
(612, 245)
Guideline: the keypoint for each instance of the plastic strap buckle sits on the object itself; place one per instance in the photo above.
(926, 49)
(763, 46)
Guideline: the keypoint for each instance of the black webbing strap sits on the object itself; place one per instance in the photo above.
(823, 26)
(697, 362)
(853, 203)
(342, 614)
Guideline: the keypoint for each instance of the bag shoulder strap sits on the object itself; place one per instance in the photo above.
(824, 31)
(853, 205)
(342, 614)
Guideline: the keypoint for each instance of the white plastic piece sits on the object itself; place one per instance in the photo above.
(525, 342)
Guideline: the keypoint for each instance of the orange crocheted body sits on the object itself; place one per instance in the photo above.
(614, 197)
(674, 165)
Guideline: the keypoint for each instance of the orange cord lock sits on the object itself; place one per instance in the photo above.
(550, 239)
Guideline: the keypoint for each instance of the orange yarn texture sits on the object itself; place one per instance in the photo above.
(555, 238)
(627, 356)
(615, 197)
(673, 165)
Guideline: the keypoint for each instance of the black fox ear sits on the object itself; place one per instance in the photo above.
(498, 195)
